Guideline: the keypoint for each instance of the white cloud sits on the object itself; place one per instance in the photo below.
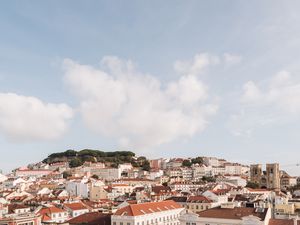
(277, 101)
(231, 59)
(197, 65)
(120, 102)
(25, 118)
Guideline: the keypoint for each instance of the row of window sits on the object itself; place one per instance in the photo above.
(197, 207)
(152, 221)
(59, 214)
(175, 223)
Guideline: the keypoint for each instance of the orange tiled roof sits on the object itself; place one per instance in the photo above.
(75, 206)
(282, 222)
(147, 208)
(235, 213)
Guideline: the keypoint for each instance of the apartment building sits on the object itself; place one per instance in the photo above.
(154, 213)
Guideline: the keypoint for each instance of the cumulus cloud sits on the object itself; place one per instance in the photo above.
(24, 118)
(118, 101)
(197, 65)
(261, 104)
(231, 59)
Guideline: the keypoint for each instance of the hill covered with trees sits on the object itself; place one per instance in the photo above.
(77, 158)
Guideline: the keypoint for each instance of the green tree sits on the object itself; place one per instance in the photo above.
(146, 166)
(186, 163)
(66, 174)
(95, 176)
(75, 162)
(252, 185)
(197, 160)
(208, 179)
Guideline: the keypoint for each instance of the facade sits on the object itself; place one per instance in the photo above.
(158, 213)
(199, 203)
(77, 188)
(53, 214)
(97, 193)
(268, 179)
(21, 219)
(108, 173)
(76, 209)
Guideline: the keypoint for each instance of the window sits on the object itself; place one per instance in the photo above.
(114, 223)
(128, 223)
(121, 223)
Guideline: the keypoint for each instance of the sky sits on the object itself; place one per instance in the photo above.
(160, 78)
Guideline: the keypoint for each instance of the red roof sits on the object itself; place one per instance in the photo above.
(282, 222)
(147, 208)
(199, 199)
(92, 218)
(46, 212)
(234, 214)
(75, 206)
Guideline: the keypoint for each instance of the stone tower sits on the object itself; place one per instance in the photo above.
(273, 176)
(256, 173)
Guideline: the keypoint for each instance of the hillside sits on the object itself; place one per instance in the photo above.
(77, 158)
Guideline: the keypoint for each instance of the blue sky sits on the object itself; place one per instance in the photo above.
(171, 78)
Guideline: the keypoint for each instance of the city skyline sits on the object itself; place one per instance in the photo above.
(203, 78)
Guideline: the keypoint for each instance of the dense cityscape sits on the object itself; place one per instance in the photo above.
(119, 188)
(135, 112)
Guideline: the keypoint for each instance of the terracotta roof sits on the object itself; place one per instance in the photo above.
(75, 206)
(46, 212)
(235, 213)
(161, 188)
(199, 199)
(51, 209)
(92, 218)
(147, 208)
(282, 222)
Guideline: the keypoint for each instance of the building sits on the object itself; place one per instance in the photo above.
(199, 203)
(266, 179)
(97, 193)
(77, 188)
(21, 219)
(211, 161)
(53, 214)
(273, 176)
(159, 213)
(228, 216)
(108, 173)
(76, 208)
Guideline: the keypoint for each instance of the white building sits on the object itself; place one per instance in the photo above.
(53, 214)
(158, 213)
(211, 161)
(76, 209)
(77, 188)
(219, 196)
(108, 173)
(200, 171)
